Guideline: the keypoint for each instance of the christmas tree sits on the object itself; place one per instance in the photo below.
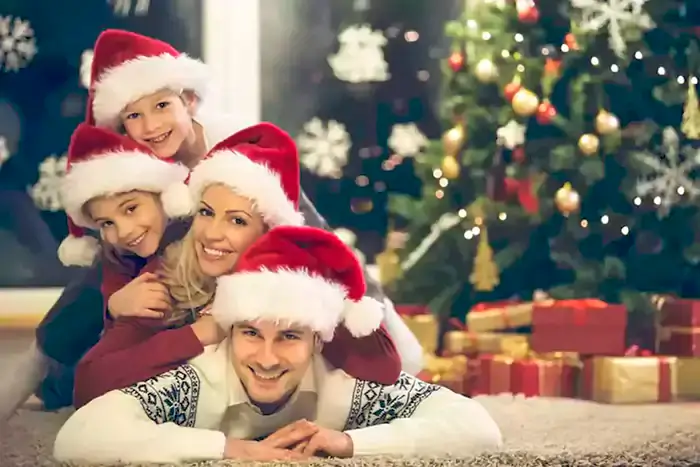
(568, 159)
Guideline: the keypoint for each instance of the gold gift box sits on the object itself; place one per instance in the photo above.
(630, 380)
(426, 329)
(467, 343)
(500, 317)
(689, 378)
(449, 372)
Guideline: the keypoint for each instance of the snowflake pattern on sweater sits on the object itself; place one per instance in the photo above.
(169, 397)
(375, 404)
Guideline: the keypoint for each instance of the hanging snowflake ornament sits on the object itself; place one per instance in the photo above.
(407, 140)
(46, 191)
(323, 148)
(86, 67)
(17, 43)
(360, 57)
(4, 151)
(670, 168)
(123, 7)
(624, 20)
(511, 135)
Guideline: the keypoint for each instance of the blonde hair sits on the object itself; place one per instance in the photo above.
(190, 289)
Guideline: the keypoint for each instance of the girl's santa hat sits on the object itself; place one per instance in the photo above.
(260, 162)
(298, 275)
(127, 66)
(100, 163)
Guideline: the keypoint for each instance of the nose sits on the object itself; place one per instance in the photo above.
(267, 357)
(124, 230)
(214, 231)
(150, 123)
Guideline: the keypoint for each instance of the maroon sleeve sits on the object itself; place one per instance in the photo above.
(112, 281)
(372, 358)
(132, 350)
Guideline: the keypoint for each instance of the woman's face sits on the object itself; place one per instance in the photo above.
(223, 227)
(162, 121)
(132, 221)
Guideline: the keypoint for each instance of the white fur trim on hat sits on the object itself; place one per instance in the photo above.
(177, 201)
(364, 317)
(254, 181)
(115, 172)
(78, 251)
(130, 81)
(293, 297)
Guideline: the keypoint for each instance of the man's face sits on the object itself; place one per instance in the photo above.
(162, 121)
(271, 359)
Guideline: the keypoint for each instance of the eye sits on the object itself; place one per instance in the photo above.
(206, 212)
(162, 104)
(239, 221)
(105, 225)
(249, 333)
(131, 116)
(131, 209)
(290, 336)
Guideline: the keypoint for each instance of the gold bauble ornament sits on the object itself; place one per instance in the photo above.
(525, 102)
(453, 140)
(567, 199)
(486, 71)
(450, 167)
(606, 123)
(589, 144)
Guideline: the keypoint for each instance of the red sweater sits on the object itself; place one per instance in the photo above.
(135, 349)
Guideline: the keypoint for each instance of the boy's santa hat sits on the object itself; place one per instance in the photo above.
(298, 275)
(101, 162)
(127, 66)
(260, 163)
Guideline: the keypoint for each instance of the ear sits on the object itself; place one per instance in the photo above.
(191, 101)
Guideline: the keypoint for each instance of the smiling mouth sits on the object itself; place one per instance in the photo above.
(160, 138)
(135, 242)
(267, 378)
(215, 254)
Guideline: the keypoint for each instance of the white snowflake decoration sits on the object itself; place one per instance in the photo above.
(360, 57)
(406, 139)
(46, 191)
(324, 149)
(4, 151)
(17, 43)
(86, 67)
(511, 135)
(123, 7)
(618, 15)
(671, 172)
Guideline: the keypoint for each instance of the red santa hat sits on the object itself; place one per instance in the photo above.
(127, 66)
(260, 162)
(101, 162)
(298, 275)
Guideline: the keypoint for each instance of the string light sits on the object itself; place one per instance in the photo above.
(471, 24)
(595, 61)
(476, 230)
(637, 201)
(486, 35)
(362, 180)
(468, 234)
(661, 71)
(657, 200)
(443, 182)
(680, 80)
(625, 230)
(439, 194)
(638, 55)
(502, 216)
(584, 223)
(614, 68)
(411, 36)
(564, 48)
(519, 37)
(462, 213)
(605, 219)
(437, 173)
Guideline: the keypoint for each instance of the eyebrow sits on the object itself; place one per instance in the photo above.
(229, 211)
(126, 201)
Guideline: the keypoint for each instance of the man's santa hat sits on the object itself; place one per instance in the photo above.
(127, 66)
(302, 276)
(101, 162)
(260, 163)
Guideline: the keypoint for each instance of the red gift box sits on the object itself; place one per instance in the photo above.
(491, 374)
(586, 326)
(545, 378)
(678, 331)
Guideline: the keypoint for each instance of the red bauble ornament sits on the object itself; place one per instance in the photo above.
(456, 61)
(545, 113)
(529, 15)
(511, 90)
(518, 154)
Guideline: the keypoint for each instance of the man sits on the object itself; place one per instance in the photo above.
(266, 393)
(158, 96)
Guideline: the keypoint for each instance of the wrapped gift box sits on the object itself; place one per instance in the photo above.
(587, 326)
(451, 373)
(678, 330)
(547, 376)
(470, 343)
(689, 378)
(422, 323)
(496, 316)
(492, 374)
(630, 379)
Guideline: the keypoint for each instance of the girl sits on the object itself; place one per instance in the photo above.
(247, 184)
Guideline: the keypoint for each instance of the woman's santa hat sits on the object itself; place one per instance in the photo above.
(100, 163)
(260, 163)
(127, 66)
(298, 275)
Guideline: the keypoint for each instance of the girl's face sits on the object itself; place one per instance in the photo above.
(132, 221)
(223, 227)
(162, 121)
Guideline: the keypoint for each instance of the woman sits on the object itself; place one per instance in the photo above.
(239, 190)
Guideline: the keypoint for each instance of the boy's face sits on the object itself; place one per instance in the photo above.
(162, 121)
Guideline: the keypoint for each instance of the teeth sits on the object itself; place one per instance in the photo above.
(213, 252)
(160, 138)
(267, 378)
(137, 240)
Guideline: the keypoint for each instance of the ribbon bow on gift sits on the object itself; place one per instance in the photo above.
(636, 351)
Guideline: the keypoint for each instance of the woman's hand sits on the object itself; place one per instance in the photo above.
(143, 297)
(208, 330)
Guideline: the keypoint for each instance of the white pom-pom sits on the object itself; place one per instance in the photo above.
(177, 200)
(78, 251)
(364, 317)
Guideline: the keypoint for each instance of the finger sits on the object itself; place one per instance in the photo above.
(157, 287)
(298, 434)
(313, 445)
(149, 313)
(274, 454)
(157, 304)
(282, 432)
(300, 447)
